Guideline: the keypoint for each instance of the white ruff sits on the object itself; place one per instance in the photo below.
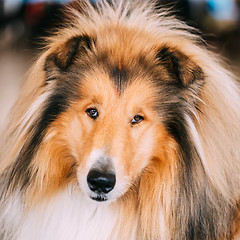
(69, 217)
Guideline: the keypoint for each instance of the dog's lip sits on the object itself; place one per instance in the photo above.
(99, 198)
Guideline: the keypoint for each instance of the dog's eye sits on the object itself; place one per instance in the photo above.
(137, 119)
(92, 113)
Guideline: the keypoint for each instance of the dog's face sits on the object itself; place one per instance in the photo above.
(111, 110)
(111, 136)
(111, 129)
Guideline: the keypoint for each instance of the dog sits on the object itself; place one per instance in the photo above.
(127, 127)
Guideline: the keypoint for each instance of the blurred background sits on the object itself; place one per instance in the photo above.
(24, 22)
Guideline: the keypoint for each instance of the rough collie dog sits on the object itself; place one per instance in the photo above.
(126, 128)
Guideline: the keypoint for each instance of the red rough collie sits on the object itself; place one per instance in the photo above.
(127, 128)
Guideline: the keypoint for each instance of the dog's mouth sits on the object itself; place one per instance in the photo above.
(99, 198)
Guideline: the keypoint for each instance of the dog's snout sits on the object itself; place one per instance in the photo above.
(101, 182)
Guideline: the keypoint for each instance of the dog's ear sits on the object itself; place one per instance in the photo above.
(179, 65)
(63, 57)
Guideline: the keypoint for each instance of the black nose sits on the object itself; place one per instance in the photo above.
(101, 182)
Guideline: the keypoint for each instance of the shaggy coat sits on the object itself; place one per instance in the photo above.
(128, 92)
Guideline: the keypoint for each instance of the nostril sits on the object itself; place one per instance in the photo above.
(101, 182)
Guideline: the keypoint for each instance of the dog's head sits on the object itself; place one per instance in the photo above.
(114, 106)
(111, 106)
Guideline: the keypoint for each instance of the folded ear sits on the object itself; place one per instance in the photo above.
(179, 65)
(65, 54)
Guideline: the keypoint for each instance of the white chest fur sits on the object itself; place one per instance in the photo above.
(70, 217)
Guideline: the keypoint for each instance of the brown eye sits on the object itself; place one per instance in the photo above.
(92, 113)
(137, 119)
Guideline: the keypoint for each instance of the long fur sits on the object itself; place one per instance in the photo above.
(178, 171)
